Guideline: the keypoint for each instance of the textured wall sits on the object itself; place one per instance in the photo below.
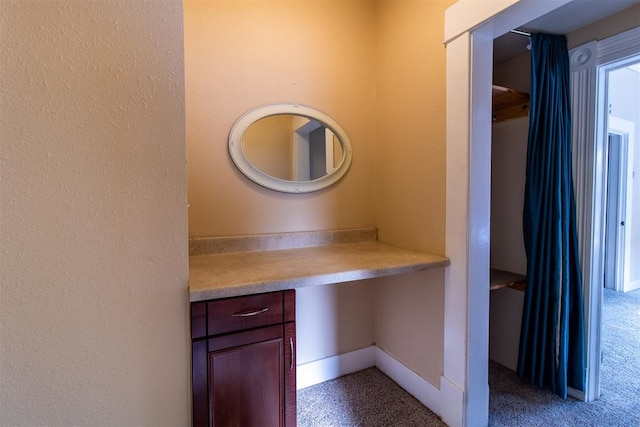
(376, 67)
(93, 222)
(410, 117)
(242, 54)
(409, 195)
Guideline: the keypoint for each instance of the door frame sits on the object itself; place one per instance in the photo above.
(590, 63)
(615, 200)
(470, 27)
(625, 129)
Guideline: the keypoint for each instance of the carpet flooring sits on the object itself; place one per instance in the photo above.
(370, 398)
(365, 398)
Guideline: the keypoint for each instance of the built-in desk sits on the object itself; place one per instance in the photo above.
(341, 257)
(243, 313)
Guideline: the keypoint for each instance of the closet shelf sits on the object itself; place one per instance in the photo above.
(509, 104)
(500, 279)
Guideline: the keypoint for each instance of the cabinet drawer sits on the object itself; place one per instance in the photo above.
(252, 311)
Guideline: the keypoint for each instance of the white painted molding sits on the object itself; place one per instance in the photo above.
(413, 383)
(451, 400)
(588, 80)
(498, 16)
(576, 394)
(583, 83)
(583, 57)
(618, 47)
(462, 386)
(464, 15)
(332, 367)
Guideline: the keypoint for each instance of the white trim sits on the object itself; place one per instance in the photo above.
(626, 130)
(588, 80)
(413, 383)
(466, 229)
(620, 46)
(498, 15)
(332, 367)
(576, 394)
(583, 83)
(452, 402)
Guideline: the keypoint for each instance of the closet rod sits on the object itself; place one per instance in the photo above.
(520, 33)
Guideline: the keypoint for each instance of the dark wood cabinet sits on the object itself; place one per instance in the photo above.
(243, 361)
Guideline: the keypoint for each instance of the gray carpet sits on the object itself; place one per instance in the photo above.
(365, 398)
(370, 398)
(516, 403)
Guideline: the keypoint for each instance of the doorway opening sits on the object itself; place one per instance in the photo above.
(621, 108)
(469, 34)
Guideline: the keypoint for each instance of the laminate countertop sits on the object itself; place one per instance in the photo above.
(222, 275)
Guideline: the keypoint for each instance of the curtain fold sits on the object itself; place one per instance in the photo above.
(552, 334)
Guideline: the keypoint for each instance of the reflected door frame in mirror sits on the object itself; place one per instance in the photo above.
(239, 157)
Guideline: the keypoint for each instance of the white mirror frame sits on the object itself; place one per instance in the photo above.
(240, 160)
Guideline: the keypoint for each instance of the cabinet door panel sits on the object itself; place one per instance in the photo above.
(246, 387)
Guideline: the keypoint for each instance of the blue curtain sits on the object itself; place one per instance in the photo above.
(552, 334)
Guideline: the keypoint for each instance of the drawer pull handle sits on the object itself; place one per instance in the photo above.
(250, 313)
(291, 348)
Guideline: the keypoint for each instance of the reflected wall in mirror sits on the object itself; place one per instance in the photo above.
(290, 148)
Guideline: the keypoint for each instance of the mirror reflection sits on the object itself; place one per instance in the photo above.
(292, 147)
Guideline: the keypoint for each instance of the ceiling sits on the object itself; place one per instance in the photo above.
(565, 19)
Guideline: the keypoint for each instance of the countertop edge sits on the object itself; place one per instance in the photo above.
(302, 280)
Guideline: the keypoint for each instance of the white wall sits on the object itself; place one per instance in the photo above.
(508, 166)
(93, 225)
(508, 163)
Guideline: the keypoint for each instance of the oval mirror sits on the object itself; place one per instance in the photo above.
(290, 148)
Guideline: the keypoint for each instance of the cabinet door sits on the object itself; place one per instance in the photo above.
(246, 386)
(290, 374)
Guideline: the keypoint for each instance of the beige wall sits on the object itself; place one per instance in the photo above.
(607, 27)
(410, 113)
(93, 254)
(324, 58)
(242, 54)
(268, 145)
(377, 68)
(408, 319)
(508, 166)
(410, 177)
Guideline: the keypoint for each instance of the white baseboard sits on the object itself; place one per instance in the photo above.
(451, 403)
(576, 394)
(319, 371)
(332, 367)
(413, 383)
